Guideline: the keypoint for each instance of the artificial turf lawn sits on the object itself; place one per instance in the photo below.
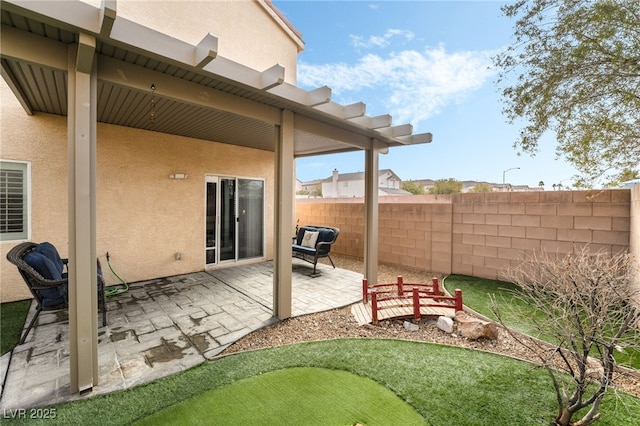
(295, 396)
(476, 294)
(446, 385)
(12, 317)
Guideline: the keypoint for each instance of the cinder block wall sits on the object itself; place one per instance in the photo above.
(492, 231)
(479, 234)
(634, 235)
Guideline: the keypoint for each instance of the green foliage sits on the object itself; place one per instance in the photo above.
(481, 187)
(414, 187)
(629, 175)
(573, 69)
(12, 317)
(446, 186)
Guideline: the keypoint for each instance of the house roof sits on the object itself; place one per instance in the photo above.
(394, 191)
(343, 177)
(195, 92)
(297, 35)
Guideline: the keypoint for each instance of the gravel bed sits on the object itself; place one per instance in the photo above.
(340, 323)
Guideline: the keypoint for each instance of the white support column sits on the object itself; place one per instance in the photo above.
(371, 214)
(82, 117)
(284, 207)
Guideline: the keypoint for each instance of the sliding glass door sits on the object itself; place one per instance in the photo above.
(234, 219)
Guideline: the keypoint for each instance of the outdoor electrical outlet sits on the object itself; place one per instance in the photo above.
(178, 255)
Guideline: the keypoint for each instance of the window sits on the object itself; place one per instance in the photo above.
(14, 203)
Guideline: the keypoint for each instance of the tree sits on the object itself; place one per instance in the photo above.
(446, 186)
(588, 306)
(577, 69)
(481, 187)
(413, 187)
(541, 183)
(627, 175)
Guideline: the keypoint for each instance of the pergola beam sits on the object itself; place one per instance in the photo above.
(419, 138)
(396, 131)
(272, 77)
(377, 122)
(343, 111)
(206, 51)
(82, 134)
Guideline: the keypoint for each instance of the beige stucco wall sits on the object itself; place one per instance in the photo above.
(41, 139)
(246, 32)
(479, 234)
(143, 217)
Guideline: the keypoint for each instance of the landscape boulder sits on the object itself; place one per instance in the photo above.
(445, 324)
(409, 326)
(475, 328)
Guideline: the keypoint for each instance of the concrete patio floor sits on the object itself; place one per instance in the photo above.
(164, 326)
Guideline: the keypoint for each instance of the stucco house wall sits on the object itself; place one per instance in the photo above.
(143, 217)
(249, 31)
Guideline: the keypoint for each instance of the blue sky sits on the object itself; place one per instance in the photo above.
(427, 63)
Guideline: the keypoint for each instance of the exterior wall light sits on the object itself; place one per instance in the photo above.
(178, 176)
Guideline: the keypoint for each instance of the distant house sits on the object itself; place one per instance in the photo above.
(629, 183)
(468, 185)
(349, 185)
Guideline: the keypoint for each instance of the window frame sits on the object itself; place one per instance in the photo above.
(25, 166)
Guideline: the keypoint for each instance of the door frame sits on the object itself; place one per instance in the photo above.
(217, 178)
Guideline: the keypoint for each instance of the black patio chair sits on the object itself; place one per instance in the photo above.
(44, 273)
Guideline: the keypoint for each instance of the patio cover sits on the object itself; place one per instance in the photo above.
(85, 62)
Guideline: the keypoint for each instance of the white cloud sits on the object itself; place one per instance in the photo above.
(413, 85)
(384, 40)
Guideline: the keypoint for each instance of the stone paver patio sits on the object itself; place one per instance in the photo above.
(164, 326)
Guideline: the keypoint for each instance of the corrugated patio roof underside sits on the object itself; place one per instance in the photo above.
(185, 95)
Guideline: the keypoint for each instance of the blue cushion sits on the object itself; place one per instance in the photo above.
(47, 269)
(43, 265)
(50, 252)
(326, 235)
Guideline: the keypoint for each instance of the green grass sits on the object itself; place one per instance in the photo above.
(12, 317)
(294, 396)
(446, 385)
(476, 294)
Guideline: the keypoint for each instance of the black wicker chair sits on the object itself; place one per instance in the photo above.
(50, 293)
(325, 236)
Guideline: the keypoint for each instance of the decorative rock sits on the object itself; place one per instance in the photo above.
(445, 324)
(474, 328)
(409, 326)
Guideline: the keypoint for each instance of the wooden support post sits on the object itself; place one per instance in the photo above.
(400, 289)
(374, 307)
(416, 303)
(365, 291)
(436, 286)
(458, 300)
